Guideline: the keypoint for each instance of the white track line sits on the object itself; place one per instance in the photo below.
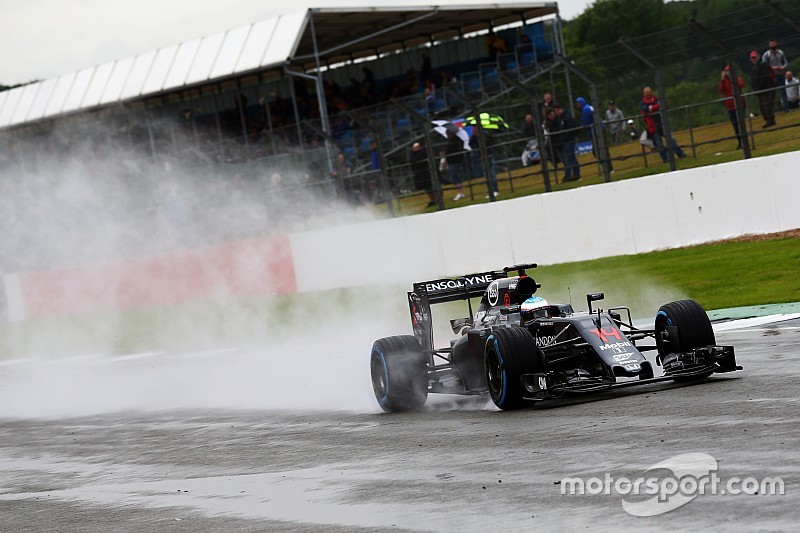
(755, 321)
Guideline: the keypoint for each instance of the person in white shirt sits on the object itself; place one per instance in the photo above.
(616, 122)
(792, 90)
(777, 62)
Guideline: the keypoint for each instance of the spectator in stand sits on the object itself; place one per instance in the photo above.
(353, 94)
(726, 88)
(489, 140)
(426, 71)
(651, 109)
(454, 152)
(528, 133)
(421, 173)
(429, 92)
(525, 45)
(586, 111)
(447, 78)
(616, 122)
(528, 128)
(495, 45)
(777, 63)
(792, 90)
(761, 79)
(367, 89)
(552, 144)
(567, 135)
(340, 175)
(546, 103)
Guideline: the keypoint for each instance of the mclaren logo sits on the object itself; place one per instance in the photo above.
(614, 346)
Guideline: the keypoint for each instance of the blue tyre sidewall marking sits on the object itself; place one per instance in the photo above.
(493, 339)
(385, 398)
(662, 313)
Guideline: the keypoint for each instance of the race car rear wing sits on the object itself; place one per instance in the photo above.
(444, 290)
(460, 288)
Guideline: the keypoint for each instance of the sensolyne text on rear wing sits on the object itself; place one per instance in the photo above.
(460, 288)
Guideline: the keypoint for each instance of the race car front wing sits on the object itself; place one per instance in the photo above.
(691, 364)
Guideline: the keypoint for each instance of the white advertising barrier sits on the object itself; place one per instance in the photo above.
(633, 216)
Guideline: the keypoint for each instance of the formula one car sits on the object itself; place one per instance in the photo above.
(519, 348)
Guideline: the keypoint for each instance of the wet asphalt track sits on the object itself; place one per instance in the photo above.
(450, 468)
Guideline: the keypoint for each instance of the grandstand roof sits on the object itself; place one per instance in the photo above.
(340, 34)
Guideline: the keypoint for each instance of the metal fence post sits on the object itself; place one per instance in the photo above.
(691, 129)
(737, 92)
(537, 123)
(662, 93)
(481, 139)
(381, 160)
(601, 148)
(432, 168)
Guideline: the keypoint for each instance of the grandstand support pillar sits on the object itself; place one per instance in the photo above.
(269, 125)
(151, 139)
(376, 134)
(320, 101)
(537, 123)
(481, 137)
(296, 114)
(432, 167)
(329, 141)
(662, 93)
(558, 33)
(601, 149)
(737, 91)
(242, 119)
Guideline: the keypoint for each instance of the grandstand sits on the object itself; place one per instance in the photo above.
(252, 93)
(121, 158)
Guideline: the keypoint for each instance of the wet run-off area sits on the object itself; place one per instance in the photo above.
(460, 465)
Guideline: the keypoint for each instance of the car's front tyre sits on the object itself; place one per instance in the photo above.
(681, 327)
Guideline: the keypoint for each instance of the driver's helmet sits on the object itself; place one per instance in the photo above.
(535, 307)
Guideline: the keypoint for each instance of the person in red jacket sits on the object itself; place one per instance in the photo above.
(651, 109)
(726, 88)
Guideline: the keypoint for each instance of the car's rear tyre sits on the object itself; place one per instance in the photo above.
(682, 326)
(399, 370)
(509, 353)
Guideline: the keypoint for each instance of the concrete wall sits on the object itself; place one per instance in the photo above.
(632, 216)
(639, 215)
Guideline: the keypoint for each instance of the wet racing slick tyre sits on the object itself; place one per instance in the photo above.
(399, 370)
(509, 353)
(693, 331)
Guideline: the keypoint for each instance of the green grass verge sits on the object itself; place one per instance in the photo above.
(720, 275)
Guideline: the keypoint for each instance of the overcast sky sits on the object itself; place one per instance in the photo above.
(42, 39)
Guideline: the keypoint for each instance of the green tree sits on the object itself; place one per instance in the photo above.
(605, 21)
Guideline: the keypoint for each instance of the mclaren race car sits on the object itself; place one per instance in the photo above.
(519, 348)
